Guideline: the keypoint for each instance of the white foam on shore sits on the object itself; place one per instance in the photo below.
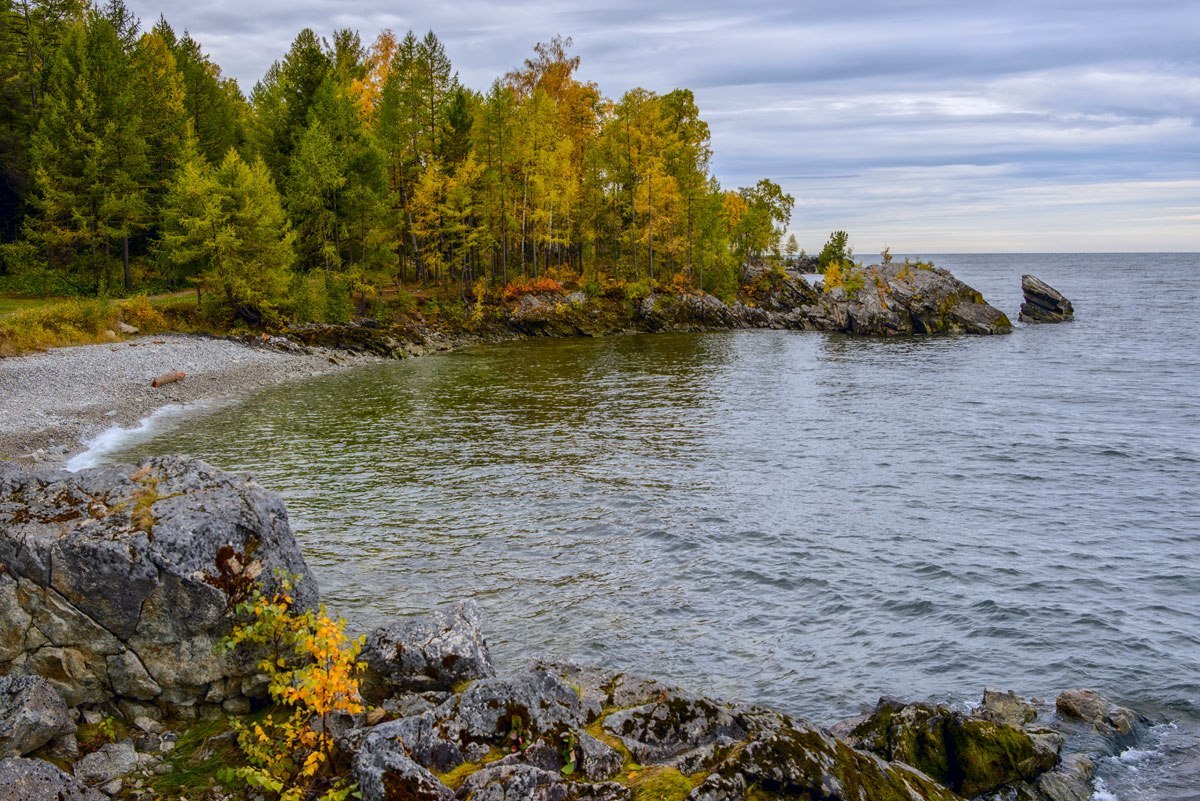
(113, 439)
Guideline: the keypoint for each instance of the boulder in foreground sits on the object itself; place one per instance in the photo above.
(1043, 303)
(117, 583)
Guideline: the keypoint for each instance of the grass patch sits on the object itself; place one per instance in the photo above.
(455, 778)
(11, 305)
(659, 783)
(202, 753)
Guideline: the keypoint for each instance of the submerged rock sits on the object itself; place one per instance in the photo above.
(1043, 303)
(117, 583)
(433, 652)
(32, 714)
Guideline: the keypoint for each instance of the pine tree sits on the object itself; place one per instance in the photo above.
(228, 225)
(89, 155)
(214, 104)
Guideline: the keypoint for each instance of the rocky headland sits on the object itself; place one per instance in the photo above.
(118, 583)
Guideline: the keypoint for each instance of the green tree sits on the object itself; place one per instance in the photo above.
(89, 155)
(228, 225)
(836, 250)
(792, 248)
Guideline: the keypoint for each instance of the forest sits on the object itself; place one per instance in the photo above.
(132, 164)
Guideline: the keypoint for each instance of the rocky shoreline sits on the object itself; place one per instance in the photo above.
(52, 403)
(117, 584)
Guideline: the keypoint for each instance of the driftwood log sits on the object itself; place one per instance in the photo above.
(168, 378)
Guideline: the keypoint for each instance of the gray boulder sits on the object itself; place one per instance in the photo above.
(515, 783)
(118, 582)
(1043, 303)
(32, 714)
(35, 780)
(434, 652)
(384, 772)
(109, 762)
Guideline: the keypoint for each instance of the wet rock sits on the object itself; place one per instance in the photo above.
(1105, 717)
(967, 754)
(1001, 706)
(110, 762)
(1043, 303)
(147, 562)
(1070, 781)
(434, 652)
(32, 714)
(902, 299)
(790, 759)
(35, 780)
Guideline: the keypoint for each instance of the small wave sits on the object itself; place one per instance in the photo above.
(116, 438)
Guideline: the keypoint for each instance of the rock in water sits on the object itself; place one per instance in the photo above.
(900, 299)
(1043, 303)
(117, 583)
(31, 715)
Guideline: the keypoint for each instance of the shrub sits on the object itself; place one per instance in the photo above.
(637, 291)
(526, 286)
(313, 668)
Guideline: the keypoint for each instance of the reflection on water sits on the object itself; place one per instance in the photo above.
(803, 520)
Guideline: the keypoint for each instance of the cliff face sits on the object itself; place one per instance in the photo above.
(117, 583)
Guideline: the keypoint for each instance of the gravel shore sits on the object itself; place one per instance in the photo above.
(52, 403)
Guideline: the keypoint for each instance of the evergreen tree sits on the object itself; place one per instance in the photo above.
(214, 104)
(228, 225)
(89, 155)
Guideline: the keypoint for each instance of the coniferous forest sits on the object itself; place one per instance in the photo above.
(131, 164)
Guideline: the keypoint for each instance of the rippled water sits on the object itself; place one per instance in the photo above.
(803, 520)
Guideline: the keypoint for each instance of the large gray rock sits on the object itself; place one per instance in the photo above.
(900, 299)
(31, 715)
(35, 780)
(385, 772)
(1043, 303)
(110, 761)
(118, 582)
(434, 652)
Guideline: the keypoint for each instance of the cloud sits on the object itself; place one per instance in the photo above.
(931, 124)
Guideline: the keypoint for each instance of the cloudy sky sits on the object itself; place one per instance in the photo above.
(930, 125)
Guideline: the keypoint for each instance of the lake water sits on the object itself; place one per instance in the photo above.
(798, 519)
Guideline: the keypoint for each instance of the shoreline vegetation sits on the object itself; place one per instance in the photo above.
(348, 170)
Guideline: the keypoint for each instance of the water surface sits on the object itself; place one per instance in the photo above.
(803, 520)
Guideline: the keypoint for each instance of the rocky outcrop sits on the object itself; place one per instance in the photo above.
(970, 755)
(1043, 303)
(435, 652)
(903, 299)
(117, 583)
(31, 715)
(502, 736)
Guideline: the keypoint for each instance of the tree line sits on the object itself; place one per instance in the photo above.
(130, 161)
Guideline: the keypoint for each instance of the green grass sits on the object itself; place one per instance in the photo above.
(202, 753)
(10, 304)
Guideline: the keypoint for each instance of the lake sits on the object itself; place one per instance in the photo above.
(803, 520)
